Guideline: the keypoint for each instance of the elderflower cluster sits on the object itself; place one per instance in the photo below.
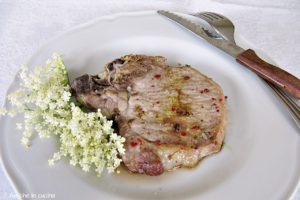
(86, 138)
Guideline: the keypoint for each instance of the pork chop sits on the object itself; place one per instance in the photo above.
(170, 116)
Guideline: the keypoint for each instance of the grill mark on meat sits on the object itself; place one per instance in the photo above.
(179, 131)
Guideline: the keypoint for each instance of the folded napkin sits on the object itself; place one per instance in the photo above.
(270, 26)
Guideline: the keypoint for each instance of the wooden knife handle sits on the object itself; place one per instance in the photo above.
(277, 76)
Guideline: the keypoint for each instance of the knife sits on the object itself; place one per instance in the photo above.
(248, 58)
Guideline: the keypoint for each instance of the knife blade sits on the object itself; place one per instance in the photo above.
(248, 58)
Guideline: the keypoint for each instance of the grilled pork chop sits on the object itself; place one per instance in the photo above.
(170, 116)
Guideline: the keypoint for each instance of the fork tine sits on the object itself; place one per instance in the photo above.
(217, 15)
(210, 15)
(209, 18)
(224, 20)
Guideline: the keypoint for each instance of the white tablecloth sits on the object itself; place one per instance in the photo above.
(271, 26)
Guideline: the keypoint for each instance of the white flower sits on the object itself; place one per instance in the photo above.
(66, 96)
(51, 162)
(98, 134)
(19, 126)
(3, 111)
(25, 142)
(44, 97)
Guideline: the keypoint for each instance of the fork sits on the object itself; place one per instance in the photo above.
(223, 28)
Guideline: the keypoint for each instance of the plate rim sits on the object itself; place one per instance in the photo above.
(9, 174)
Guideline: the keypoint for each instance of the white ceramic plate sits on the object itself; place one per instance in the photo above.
(260, 158)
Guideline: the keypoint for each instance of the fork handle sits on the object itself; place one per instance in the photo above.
(275, 75)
